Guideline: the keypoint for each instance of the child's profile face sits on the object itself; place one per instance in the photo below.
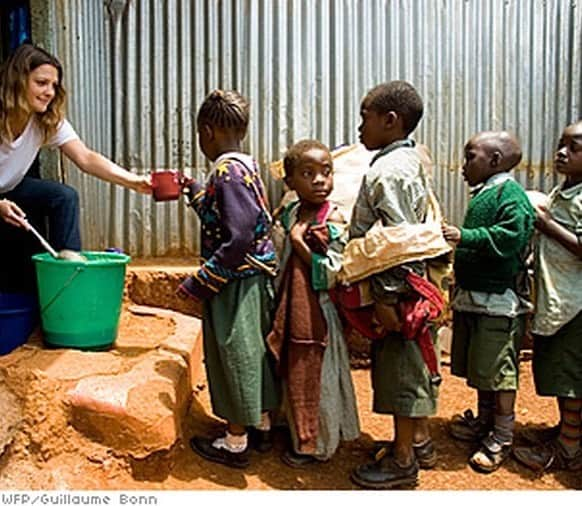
(372, 131)
(312, 177)
(477, 167)
(568, 157)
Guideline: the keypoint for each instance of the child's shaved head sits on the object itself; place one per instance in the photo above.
(503, 145)
(575, 129)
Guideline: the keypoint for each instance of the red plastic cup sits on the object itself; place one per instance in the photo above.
(167, 185)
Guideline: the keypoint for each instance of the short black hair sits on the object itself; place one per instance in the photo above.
(295, 153)
(225, 109)
(400, 97)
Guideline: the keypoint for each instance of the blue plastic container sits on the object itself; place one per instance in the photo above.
(18, 318)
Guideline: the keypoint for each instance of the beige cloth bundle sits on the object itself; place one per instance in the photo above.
(386, 247)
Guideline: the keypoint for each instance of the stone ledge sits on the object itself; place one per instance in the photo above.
(132, 398)
(141, 411)
(136, 413)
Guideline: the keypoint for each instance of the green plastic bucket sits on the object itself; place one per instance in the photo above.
(80, 302)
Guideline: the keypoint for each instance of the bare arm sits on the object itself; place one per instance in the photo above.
(97, 165)
(298, 242)
(550, 227)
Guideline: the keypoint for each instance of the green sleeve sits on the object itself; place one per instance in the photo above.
(324, 268)
(507, 236)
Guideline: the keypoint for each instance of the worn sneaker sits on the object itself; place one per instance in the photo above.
(204, 448)
(491, 455)
(537, 436)
(424, 452)
(468, 427)
(385, 474)
(548, 456)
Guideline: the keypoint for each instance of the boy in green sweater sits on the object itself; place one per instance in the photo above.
(489, 303)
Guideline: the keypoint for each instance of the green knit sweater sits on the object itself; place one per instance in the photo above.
(495, 234)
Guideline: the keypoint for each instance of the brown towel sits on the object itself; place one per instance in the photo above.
(298, 340)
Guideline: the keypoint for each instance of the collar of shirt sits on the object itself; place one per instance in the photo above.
(571, 192)
(494, 180)
(404, 143)
(243, 157)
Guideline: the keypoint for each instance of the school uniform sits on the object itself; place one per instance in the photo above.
(557, 323)
(490, 302)
(394, 192)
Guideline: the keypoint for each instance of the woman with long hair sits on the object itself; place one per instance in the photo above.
(32, 105)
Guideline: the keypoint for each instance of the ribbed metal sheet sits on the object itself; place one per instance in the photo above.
(138, 70)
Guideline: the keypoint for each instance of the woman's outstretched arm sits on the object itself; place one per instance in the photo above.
(94, 163)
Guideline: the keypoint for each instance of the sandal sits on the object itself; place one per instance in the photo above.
(490, 456)
(468, 427)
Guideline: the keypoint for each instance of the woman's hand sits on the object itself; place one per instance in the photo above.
(141, 184)
(12, 214)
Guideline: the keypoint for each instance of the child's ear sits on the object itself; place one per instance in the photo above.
(390, 119)
(208, 131)
(496, 159)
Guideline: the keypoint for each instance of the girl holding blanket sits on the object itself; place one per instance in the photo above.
(307, 338)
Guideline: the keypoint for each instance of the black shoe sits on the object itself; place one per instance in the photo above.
(385, 474)
(260, 440)
(204, 448)
(548, 456)
(297, 460)
(539, 436)
(424, 452)
(468, 427)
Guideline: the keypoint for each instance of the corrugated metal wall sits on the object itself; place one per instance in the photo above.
(137, 70)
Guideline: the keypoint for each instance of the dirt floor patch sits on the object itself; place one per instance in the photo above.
(49, 454)
(74, 462)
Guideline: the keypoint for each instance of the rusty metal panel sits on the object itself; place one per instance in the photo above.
(137, 71)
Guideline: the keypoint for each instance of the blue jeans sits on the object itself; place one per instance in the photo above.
(45, 203)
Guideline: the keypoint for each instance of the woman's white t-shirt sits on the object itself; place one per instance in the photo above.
(17, 157)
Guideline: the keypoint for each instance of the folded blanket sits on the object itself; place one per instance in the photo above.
(385, 247)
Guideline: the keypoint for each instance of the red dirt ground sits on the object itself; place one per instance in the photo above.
(89, 466)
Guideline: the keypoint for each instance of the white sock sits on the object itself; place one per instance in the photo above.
(265, 423)
(231, 442)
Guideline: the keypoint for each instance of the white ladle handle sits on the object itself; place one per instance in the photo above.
(43, 241)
